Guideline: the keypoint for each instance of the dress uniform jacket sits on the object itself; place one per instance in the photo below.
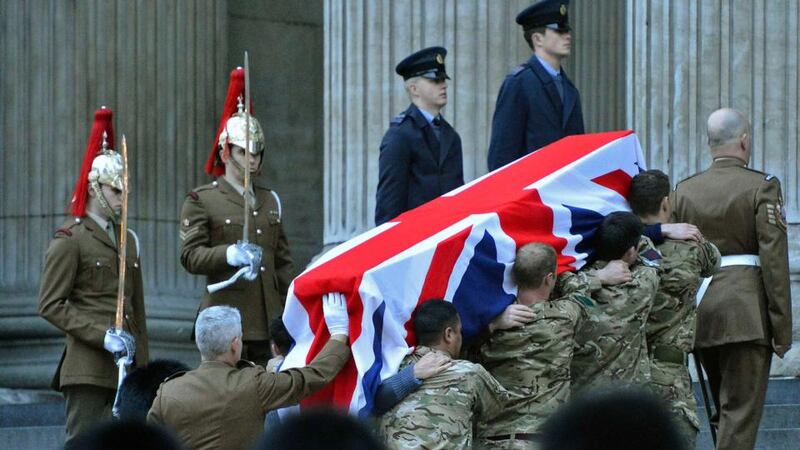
(211, 220)
(739, 210)
(218, 406)
(529, 113)
(78, 295)
(414, 166)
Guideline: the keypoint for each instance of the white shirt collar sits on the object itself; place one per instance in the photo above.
(550, 69)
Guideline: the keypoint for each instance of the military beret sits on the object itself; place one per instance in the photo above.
(547, 13)
(428, 63)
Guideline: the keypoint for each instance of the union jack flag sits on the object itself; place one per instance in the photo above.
(459, 247)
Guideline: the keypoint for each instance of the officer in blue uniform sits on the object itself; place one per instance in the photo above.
(537, 103)
(420, 155)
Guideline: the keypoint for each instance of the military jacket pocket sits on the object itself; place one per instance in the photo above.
(227, 229)
(102, 272)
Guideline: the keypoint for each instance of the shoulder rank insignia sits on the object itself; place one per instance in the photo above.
(650, 257)
(776, 215)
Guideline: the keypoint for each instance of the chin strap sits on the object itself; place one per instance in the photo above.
(101, 198)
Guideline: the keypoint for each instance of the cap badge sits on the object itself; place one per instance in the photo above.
(439, 58)
(186, 222)
(563, 10)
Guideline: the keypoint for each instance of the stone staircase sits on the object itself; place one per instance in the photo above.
(34, 420)
(780, 424)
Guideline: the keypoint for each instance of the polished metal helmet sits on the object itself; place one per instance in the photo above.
(107, 167)
(235, 131)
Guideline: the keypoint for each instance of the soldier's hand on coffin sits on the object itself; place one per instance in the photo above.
(514, 316)
(615, 272)
(681, 231)
(431, 364)
(334, 308)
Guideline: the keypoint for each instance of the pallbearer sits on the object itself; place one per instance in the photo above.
(212, 222)
(80, 281)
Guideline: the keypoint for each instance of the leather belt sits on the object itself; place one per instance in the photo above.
(518, 436)
(727, 261)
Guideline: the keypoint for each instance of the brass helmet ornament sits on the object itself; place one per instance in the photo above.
(232, 127)
(234, 132)
(101, 165)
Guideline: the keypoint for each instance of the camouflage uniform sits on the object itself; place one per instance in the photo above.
(611, 345)
(671, 325)
(439, 415)
(532, 361)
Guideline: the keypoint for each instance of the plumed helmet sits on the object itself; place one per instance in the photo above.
(235, 129)
(101, 138)
(107, 169)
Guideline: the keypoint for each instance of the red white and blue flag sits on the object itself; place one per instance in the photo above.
(458, 247)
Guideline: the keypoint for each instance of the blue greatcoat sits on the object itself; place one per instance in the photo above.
(415, 167)
(529, 113)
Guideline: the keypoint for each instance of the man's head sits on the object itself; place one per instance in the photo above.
(218, 332)
(235, 162)
(649, 196)
(618, 236)
(546, 28)
(534, 272)
(281, 340)
(438, 325)
(425, 78)
(729, 134)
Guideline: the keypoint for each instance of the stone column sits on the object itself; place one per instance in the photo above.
(157, 66)
(688, 58)
(365, 39)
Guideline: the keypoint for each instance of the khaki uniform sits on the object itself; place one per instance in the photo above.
(78, 294)
(442, 412)
(217, 406)
(671, 325)
(745, 307)
(611, 345)
(532, 361)
(211, 220)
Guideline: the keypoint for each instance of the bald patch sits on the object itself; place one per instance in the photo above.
(725, 126)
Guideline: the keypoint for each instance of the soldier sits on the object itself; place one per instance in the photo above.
(533, 360)
(537, 103)
(442, 413)
(212, 222)
(746, 313)
(79, 286)
(670, 327)
(611, 345)
(222, 403)
(420, 155)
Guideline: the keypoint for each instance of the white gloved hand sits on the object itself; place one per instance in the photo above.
(236, 256)
(113, 342)
(251, 274)
(334, 308)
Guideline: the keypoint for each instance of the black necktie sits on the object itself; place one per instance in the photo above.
(437, 122)
(560, 86)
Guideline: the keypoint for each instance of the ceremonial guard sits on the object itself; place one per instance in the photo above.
(537, 103)
(213, 221)
(80, 286)
(744, 312)
(420, 155)
(671, 325)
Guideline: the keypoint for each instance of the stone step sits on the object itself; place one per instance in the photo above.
(32, 415)
(780, 391)
(776, 439)
(40, 438)
(775, 417)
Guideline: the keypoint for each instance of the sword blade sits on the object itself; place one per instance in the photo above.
(123, 234)
(246, 227)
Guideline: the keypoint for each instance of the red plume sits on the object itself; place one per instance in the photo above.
(214, 165)
(102, 122)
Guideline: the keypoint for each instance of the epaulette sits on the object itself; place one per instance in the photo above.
(398, 119)
(689, 178)
(769, 177)
(517, 70)
(65, 231)
(244, 364)
(175, 375)
(206, 187)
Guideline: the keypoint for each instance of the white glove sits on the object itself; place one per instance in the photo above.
(113, 342)
(334, 308)
(251, 274)
(236, 256)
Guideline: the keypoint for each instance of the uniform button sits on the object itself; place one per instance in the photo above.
(98, 263)
(214, 183)
(263, 269)
(136, 264)
(77, 220)
(127, 317)
(258, 231)
(227, 221)
(255, 213)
